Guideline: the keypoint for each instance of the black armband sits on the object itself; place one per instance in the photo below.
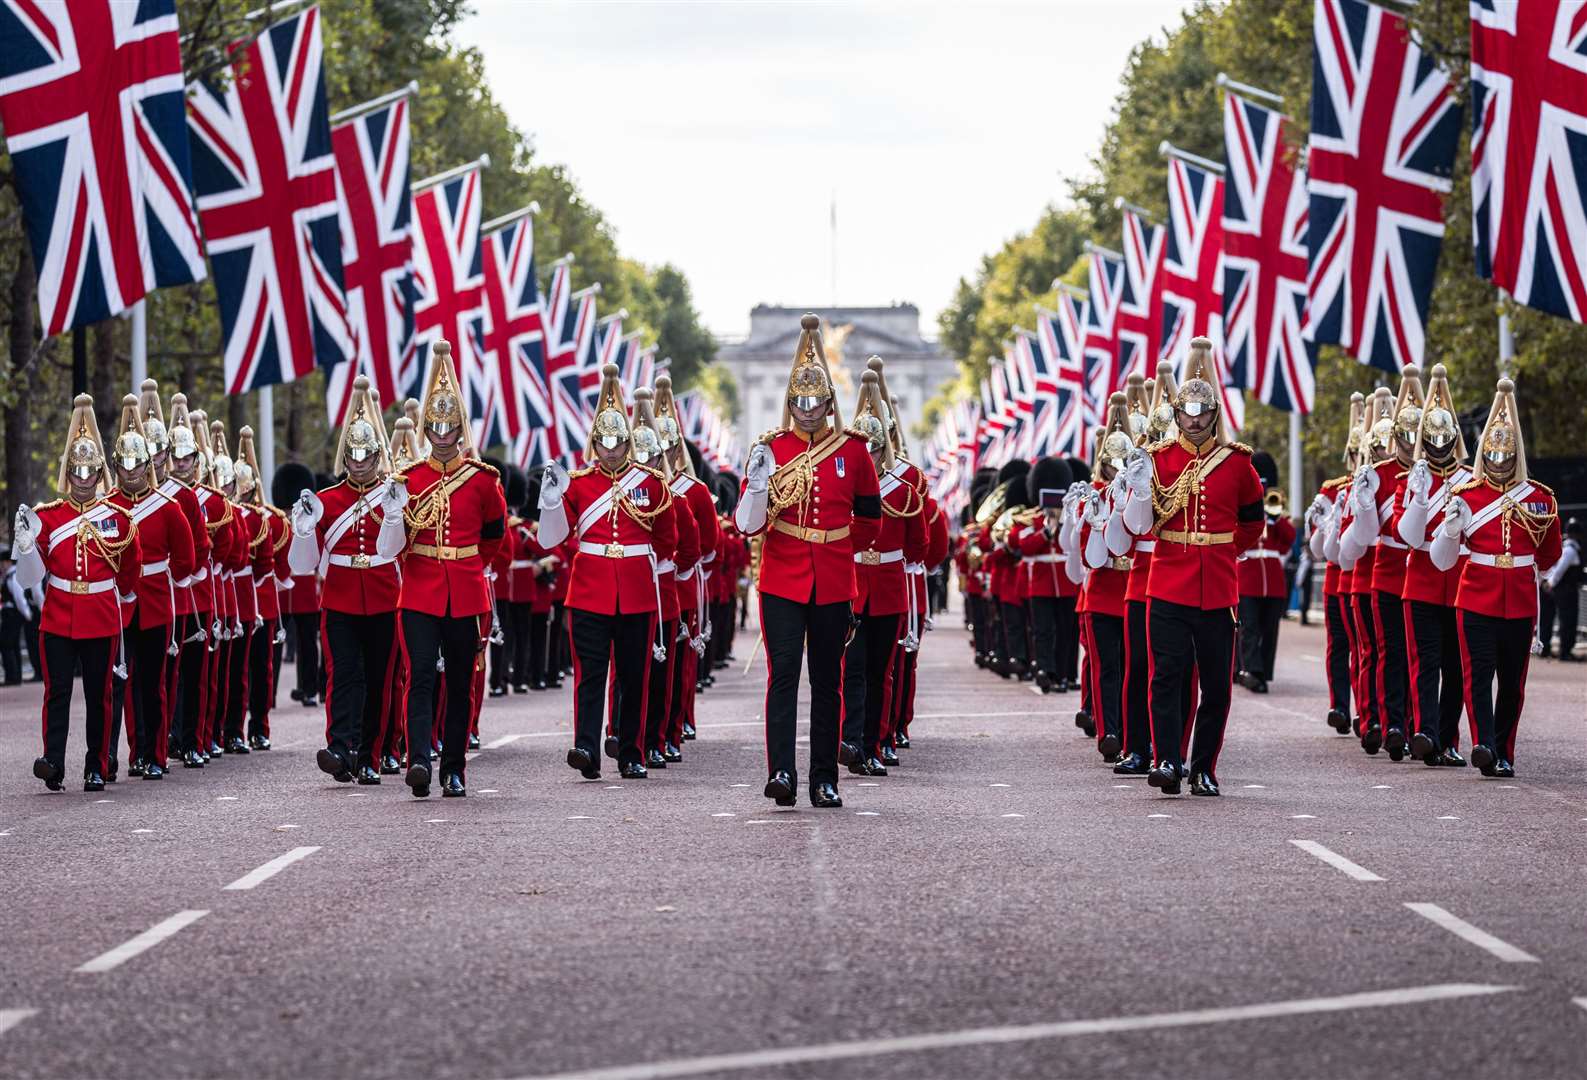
(868, 506)
(494, 529)
(1251, 512)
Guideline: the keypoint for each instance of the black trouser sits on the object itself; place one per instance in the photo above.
(1137, 681)
(1545, 617)
(1495, 647)
(559, 645)
(1305, 598)
(33, 638)
(1260, 617)
(190, 697)
(145, 693)
(11, 625)
(1068, 639)
(1437, 690)
(1106, 657)
(515, 624)
(237, 681)
(658, 704)
(1567, 598)
(360, 651)
(722, 630)
(94, 657)
(1013, 618)
(455, 641)
(789, 627)
(866, 663)
(1336, 646)
(621, 643)
(1044, 634)
(980, 623)
(539, 631)
(501, 653)
(1367, 648)
(261, 678)
(306, 630)
(1393, 677)
(1179, 637)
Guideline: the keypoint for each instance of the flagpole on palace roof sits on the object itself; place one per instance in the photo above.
(376, 103)
(1169, 150)
(481, 162)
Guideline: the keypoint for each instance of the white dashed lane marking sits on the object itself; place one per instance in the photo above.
(145, 941)
(1483, 940)
(10, 1018)
(270, 869)
(1336, 860)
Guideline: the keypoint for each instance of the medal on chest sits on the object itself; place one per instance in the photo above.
(108, 527)
(840, 463)
(640, 497)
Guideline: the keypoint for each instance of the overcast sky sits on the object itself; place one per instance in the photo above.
(714, 136)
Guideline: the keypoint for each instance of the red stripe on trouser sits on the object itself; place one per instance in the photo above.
(1413, 659)
(1347, 624)
(1094, 673)
(1520, 700)
(407, 665)
(889, 687)
(330, 675)
(1087, 677)
(270, 676)
(578, 677)
(1223, 728)
(1372, 705)
(398, 677)
(44, 709)
(1151, 677)
(765, 705)
(1382, 681)
(1465, 674)
(385, 702)
(1192, 702)
(162, 730)
(1124, 695)
(109, 692)
(644, 684)
(906, 708)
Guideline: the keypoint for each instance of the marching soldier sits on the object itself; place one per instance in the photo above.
(1199, 494)
(1264, 593)
(621, 517)
(350, 535)
(1107, 579)
(1510, 523)
(86, 549)
(1047, 584)
(405, 450)
(185, 471)
(300, 604)
(248, 533)
(456, 518)
(270, 577)
(810, 487)
(1376, 444)
(1431, 631)
(165, 545)
(1338, 627)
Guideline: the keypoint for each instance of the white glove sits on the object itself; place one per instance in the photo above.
(1117, 488)
(1138, 473)
(1420, 482)
(394, 497)
(1318, 510)
(758, 470)
(1456, 516)
(553, 485)
(26, 529)
(1364, 489)
(306, 513)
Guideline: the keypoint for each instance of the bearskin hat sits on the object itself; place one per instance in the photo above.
(290, 481)
(1048, 473)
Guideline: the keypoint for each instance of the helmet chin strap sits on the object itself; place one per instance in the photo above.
(1197, 438)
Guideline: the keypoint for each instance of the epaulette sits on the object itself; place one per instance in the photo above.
(1240, 446)
(484, 466)
(1544, 488)
(1467, 486)
(1335, 482)
(770, 435)
(1161, 444)
(576, 473)
(649, 469)
(51, 505)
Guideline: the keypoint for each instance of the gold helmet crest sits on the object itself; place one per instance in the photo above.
(1138, 404)
(895, 432)
(1198, 393)
(873, 419)
(1160, 414)
(131, 447)
(610, 428)
(1439, 426)
(1408, 404)
(221, 464)
(363, 432)
(645, 434)
(1116, 440)
(810, 379)
(154, 429)
(443, 409)
(84, 453)
(1501, 436)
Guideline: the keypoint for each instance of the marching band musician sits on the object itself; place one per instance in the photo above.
(86, 549)
(1264, 592)
(811, 488)
(1510, 523)
(1107, 578)
(1338, 628)
(1047, 585)
(456, 517)
(1199, 494)
(271, 576)
(1432, 638)
(622, 521)
(350, 535)
(165, 545)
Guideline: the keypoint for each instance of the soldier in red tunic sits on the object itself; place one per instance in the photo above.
(271, 576)
(1432, 638)
(1264, 591)
(184, 467)
(620, 513)
(810, 487)
(1359, 560)
(351, 533)
(1510, 524)
(86, 550)
(1199, 494)
(1322, 517)
(1107, 579)
(165, 543)
(456, 517)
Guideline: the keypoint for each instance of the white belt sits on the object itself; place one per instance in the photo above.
(1046, 557)
(362, 562)
(520, 564)
(246, 573)
(614, 551)
(666, 566)
(1146, 545)
(82, 588)
(916, 568)
(150, 569)
(1262, 553)
(1389, 541)
(1478, 557)
(878, 558)
(198, 575)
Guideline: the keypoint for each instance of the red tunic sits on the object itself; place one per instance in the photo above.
(255, 533)
(165, 545)
(1500, 590)
(1262, 565)
(702, 508)
(358, 581)
(1388, 566)
(270, 570)
(685, 556)
(1423, 580)
(881, 583)
(87, 575)
(1193, 562)
(443, 567)
(1105, 584)
(209, 592)
(1042, 562)
(188, 591)
(618, 583)
(1331, 576)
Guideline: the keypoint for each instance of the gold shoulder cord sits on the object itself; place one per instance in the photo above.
(642, 517)
(264, 531)
(1536, 525)
(790, 484)
(223, 520)
(1170, 500)
(109, 550)
(914, 503)
(433, 509)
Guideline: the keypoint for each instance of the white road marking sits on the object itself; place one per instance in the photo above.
(1580, 1002)
(738, 785)
(280, 828)
(489, 791)
(1380, 787)
(1336, 860)
(435, 821)
(357, 794)
(866, 813)
(1156, 815)
(614, 787)
(1126, 786)
(764, 1060)
(1448, 817)
(142, 943)
(1299, 817)
(580, 817)
(142, 830)
(270, 869)
(1478, 937)
(501, 741)
(868, 783)
(98, 801)
(724, 814)
(1013, 815)
(10, 1018)
(225, 798)
(998, 785)
(1038, 691)
(1255, 785)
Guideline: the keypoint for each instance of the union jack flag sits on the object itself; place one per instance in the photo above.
(91, 103)
(1101, 370)
(1061, 333)
(377, 255)
(1140, 316)
(1528, 165)
(638, 366)
(513, 342)
(1193, 274)
(1384, 126)
(1040, 374)
(449, 279)
(266, 182)
(1264, 260)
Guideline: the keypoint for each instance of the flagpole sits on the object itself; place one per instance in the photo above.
(1121, 203)
(1105, 252)
(507, 219)
(481, 162)
(376, 103)
(267, 435)
(1248, 90)
(140, 343)
(1294, 463)
(1169, 150)
(1506, 338)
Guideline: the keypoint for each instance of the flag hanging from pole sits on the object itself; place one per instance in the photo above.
(1193, 273)
(1140, 317)
(513, 340)
(450, 287)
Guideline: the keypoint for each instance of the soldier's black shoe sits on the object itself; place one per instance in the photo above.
(1108, 746)
(849, 754)
(1164, 777)
(1083, 720)
(93, 782)
(1503, 768)
(671, 753)
(110, 773)
(1423, 748)
(1044, 682)
(611, 747)
(367, 775)
(335, 766)
(1132, 764)
(390, 766)
(473, 740)
(418, 779)
(585, 763)
(495, 691)
(311, 702)
(1338, 721)
(192, 760)
(825, 797)
(1394, 742)
(215, 750)
(235, 745)
(781, 788)
(539, 684)
(980, 660)
(1483, 758)
(135, 767)
(1372, 739)
(152, 771)
(53, 775)
(654, 759)
(258, 742)
(889, 757)
(1203, 784)
(452, 786)
(1451, 758)
(1258, 684)
(520, 688)
(632, 770)
(901, 740)
(689, 733)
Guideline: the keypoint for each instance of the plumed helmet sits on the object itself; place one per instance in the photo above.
(1050, 473)
(1266, 468)
(291, 480)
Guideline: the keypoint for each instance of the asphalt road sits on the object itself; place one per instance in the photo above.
(1001, 906)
